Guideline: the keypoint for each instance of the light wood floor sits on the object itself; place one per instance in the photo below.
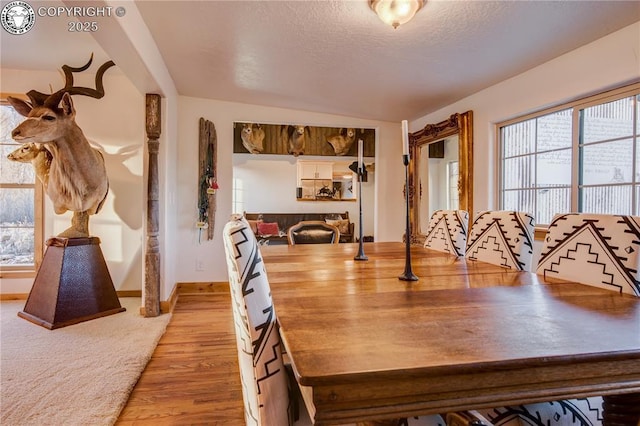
(193, 376)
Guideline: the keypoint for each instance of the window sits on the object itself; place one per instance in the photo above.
(21, 201)
(581, 156)
(237, 196)
(453, 172)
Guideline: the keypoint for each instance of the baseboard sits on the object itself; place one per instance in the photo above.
(189, 288)
(203, 287)
(166, 306)
(14, 296)
(24, 296)
(129, 293)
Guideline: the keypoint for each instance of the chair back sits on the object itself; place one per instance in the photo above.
(595, 249)
(313, 232)
(503, 238)
(448, 231)
(264, 379)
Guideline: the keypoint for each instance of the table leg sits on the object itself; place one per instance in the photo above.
(621, 410)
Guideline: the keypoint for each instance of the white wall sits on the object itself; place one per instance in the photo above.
(598, 66)
(389, 177)
(604, 64)
(269, 185)
(115, 125)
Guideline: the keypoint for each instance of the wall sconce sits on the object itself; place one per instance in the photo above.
(396, 12)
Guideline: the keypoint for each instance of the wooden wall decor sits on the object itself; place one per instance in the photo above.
(152, 257)
(207, 178)
(286, 139)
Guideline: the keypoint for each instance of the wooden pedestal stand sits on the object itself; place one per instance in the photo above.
(72, 285)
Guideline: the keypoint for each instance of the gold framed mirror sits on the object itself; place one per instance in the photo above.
(441, 160)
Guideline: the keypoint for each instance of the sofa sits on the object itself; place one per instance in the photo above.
(271, 228)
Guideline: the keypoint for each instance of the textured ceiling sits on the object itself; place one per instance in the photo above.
(338, 57)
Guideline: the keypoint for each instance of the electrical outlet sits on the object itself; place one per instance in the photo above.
(199, 264)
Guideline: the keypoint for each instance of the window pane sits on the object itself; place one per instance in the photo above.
(16, 246)
(523, 201)
(606, 199)
(608, 121)
(554, 168)
(17, 207)
(16, 226)
(519, 138)
(11, 171)
(550, 202)
(9, 119)
(454, 176)
(637, 115)
(518, 172)
(609, 162)
(554, 130)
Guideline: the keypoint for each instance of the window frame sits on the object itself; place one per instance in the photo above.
(27, 271)
(578, 104)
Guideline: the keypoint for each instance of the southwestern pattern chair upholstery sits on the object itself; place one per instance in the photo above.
(503, 238)
(447, 231)
(265, 387)
(593, 249)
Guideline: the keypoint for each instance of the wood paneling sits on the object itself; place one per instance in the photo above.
(193, 376)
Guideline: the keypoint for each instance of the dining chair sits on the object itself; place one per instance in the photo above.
(593, 249)
(268, 398)
(265, 386)
(447, 231)
(503, 238)
(313, 232)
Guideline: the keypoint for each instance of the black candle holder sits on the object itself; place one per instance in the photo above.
(408, 274)
(360, 255)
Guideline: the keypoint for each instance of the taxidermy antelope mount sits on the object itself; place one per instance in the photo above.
(77, 177)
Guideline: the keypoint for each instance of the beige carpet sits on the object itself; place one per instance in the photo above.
(76, 375)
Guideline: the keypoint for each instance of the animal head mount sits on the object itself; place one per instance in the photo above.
(252, 136)
(343, 141)
(51, 101)
(73, 172)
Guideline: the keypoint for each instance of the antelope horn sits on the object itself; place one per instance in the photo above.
(37, 98)
(54, 99)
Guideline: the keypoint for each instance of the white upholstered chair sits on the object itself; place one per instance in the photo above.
(447, 231)
(593, 249)
(503, 238)
(265, 387)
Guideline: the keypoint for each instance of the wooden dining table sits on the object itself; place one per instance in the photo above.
(365, 345)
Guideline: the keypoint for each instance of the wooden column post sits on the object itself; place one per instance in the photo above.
(152, 258)
(208, 175)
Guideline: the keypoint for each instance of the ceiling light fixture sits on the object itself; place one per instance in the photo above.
(396, 12)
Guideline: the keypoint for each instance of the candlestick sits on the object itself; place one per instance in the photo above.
(405, 137)
(360, 255)
(408, 274)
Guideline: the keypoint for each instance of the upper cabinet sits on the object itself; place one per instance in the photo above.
(325, 181)
(315, 170)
